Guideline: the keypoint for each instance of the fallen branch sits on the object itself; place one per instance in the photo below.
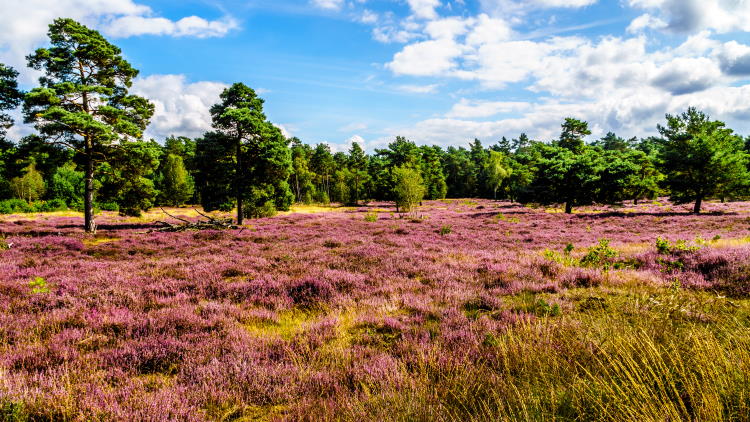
(210, 223)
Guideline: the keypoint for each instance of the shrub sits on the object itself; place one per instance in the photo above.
(665, 247)
(600, 255)
(581, 277)
(108, 206)
(309, 293)
(13, 206)
(266, 209)
(39, 285)
(52, 205)
(445, 230)
(371, 217)
(4, 245)
(408, 188)
(331, 244)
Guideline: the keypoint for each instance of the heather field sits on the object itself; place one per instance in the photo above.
(462, 310)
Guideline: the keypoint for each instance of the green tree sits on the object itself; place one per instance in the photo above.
(432, 172)
(647, 178)
(322, 164)
(215, 171)
(83, 100)
(127, 177)
(460, 176)
(497, 170)
(357, 166)
(573, 132)
(10, 96)
(700, 157)
(67, 185)
(618, 175)
(408, 188)
(30, 186)
(302, 177)
(564, 176)
(260, 151)
(176, 183)
(478, 177)
(612, 142)
(342, 190)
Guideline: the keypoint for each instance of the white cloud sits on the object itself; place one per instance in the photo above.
(193, 26)
(419, 89)
(424, 9)
(356, 139)
(694, 15)
(513, 9)
(645, 21)
(328, 4)
(369, 17)
(25, 23)
(347, 144)
(182, 108)
(285, 130)
(433, 57)
(466, 108)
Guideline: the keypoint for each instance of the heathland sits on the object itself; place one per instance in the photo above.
(459, 310)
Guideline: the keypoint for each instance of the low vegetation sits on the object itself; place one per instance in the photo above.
(639, 313)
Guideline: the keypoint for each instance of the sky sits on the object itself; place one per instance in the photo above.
(439, 72)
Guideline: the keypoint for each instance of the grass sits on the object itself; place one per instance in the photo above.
(449, 318)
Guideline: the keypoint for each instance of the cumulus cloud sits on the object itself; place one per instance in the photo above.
(433, 57)
(190, 26)
(467, 108)
(694, 15)
(687, 75)
(25, 23)
(634, 114)
(620, 83)
(181, 107)
(424, 9)
(645, 21)
(734, 59)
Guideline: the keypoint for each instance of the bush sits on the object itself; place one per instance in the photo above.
(408, 188)
(267, 209)
(665, 247)
(13, 206)
(309, 293)
(371, 217)
(445, 230)
(52, 205)
(600, 255)
(108, 206)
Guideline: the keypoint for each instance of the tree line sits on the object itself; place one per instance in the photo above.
(89, 153)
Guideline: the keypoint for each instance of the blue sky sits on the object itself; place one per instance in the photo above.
(437, 71)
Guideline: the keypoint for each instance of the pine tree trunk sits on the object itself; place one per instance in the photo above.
(697, 207)
(237, 181)
(88, 196)
(296, 181)
(568, 207)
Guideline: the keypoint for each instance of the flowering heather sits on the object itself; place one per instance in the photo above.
(514, 313)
